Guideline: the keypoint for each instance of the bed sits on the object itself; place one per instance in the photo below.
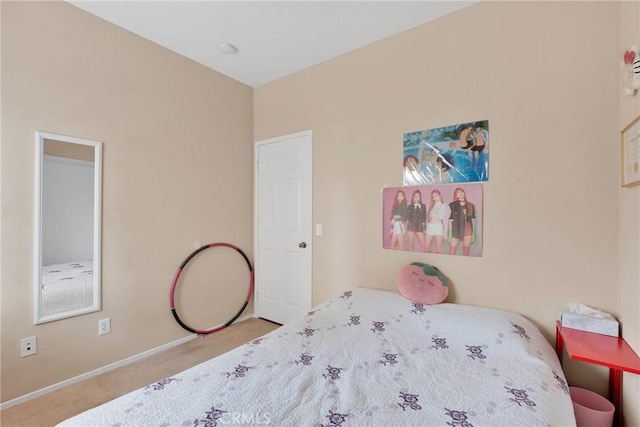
(66, 287)
(365, 358)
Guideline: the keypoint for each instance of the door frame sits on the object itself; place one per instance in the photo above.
(256, 260)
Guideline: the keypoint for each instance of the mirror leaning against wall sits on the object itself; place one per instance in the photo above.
(68, 205)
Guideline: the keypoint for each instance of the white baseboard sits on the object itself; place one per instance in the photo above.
(104, 369)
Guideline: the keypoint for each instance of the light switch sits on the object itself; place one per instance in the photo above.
(318, 229)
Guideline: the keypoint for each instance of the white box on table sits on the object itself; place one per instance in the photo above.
(585, 318)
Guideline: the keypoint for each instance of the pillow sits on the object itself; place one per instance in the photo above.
(422, 283)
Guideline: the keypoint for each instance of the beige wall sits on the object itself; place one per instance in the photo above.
(177, 169)
(546, 75)
(70, 151)
(629, 229)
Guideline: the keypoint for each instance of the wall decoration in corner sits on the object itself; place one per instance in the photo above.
(445, 219)
(630, 153)
(455, 153)
(631, 71)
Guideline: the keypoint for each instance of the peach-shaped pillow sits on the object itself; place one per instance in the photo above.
(422, 283)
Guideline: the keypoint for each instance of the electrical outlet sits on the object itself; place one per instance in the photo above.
(104, 326)
(28, 346)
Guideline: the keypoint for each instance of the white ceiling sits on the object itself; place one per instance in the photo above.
(273, 38)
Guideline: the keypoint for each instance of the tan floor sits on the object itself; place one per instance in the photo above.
(54, 407)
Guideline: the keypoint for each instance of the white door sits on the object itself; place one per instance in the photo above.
(283, 227)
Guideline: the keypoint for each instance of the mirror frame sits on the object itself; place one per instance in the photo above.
(97, 218)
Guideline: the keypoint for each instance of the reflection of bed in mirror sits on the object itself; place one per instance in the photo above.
(66, 287)
(67, 227)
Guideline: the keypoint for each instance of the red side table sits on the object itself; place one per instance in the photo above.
(612, 352)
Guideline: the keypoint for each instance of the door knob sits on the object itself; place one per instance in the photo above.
(302, 245)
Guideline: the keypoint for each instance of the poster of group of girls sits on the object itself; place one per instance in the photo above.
(439, 207)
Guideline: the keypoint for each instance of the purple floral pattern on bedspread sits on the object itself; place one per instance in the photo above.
(304, 359)
(257, 341)
(439, 343)
(389, 358)
(520, 396)
(418, 308)
(458, 418)
(520, 331)
(211, 418)
(475, 352)
(561, 382)
(335, 419)
(418, 367)
(239, 372)
(378, 326)
(354, 320)
(346, 294)
(409, 401)
(307, 332)
(333, 373)
(160, 384)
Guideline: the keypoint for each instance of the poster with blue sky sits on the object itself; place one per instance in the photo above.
(455, 153)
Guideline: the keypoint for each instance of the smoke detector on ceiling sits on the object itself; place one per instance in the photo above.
(227, 48)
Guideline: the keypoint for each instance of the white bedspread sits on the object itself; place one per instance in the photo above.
(366, 358)
(66, 287)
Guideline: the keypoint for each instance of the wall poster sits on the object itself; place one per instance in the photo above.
(445, 219)
(455, 153)
(630, 149)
